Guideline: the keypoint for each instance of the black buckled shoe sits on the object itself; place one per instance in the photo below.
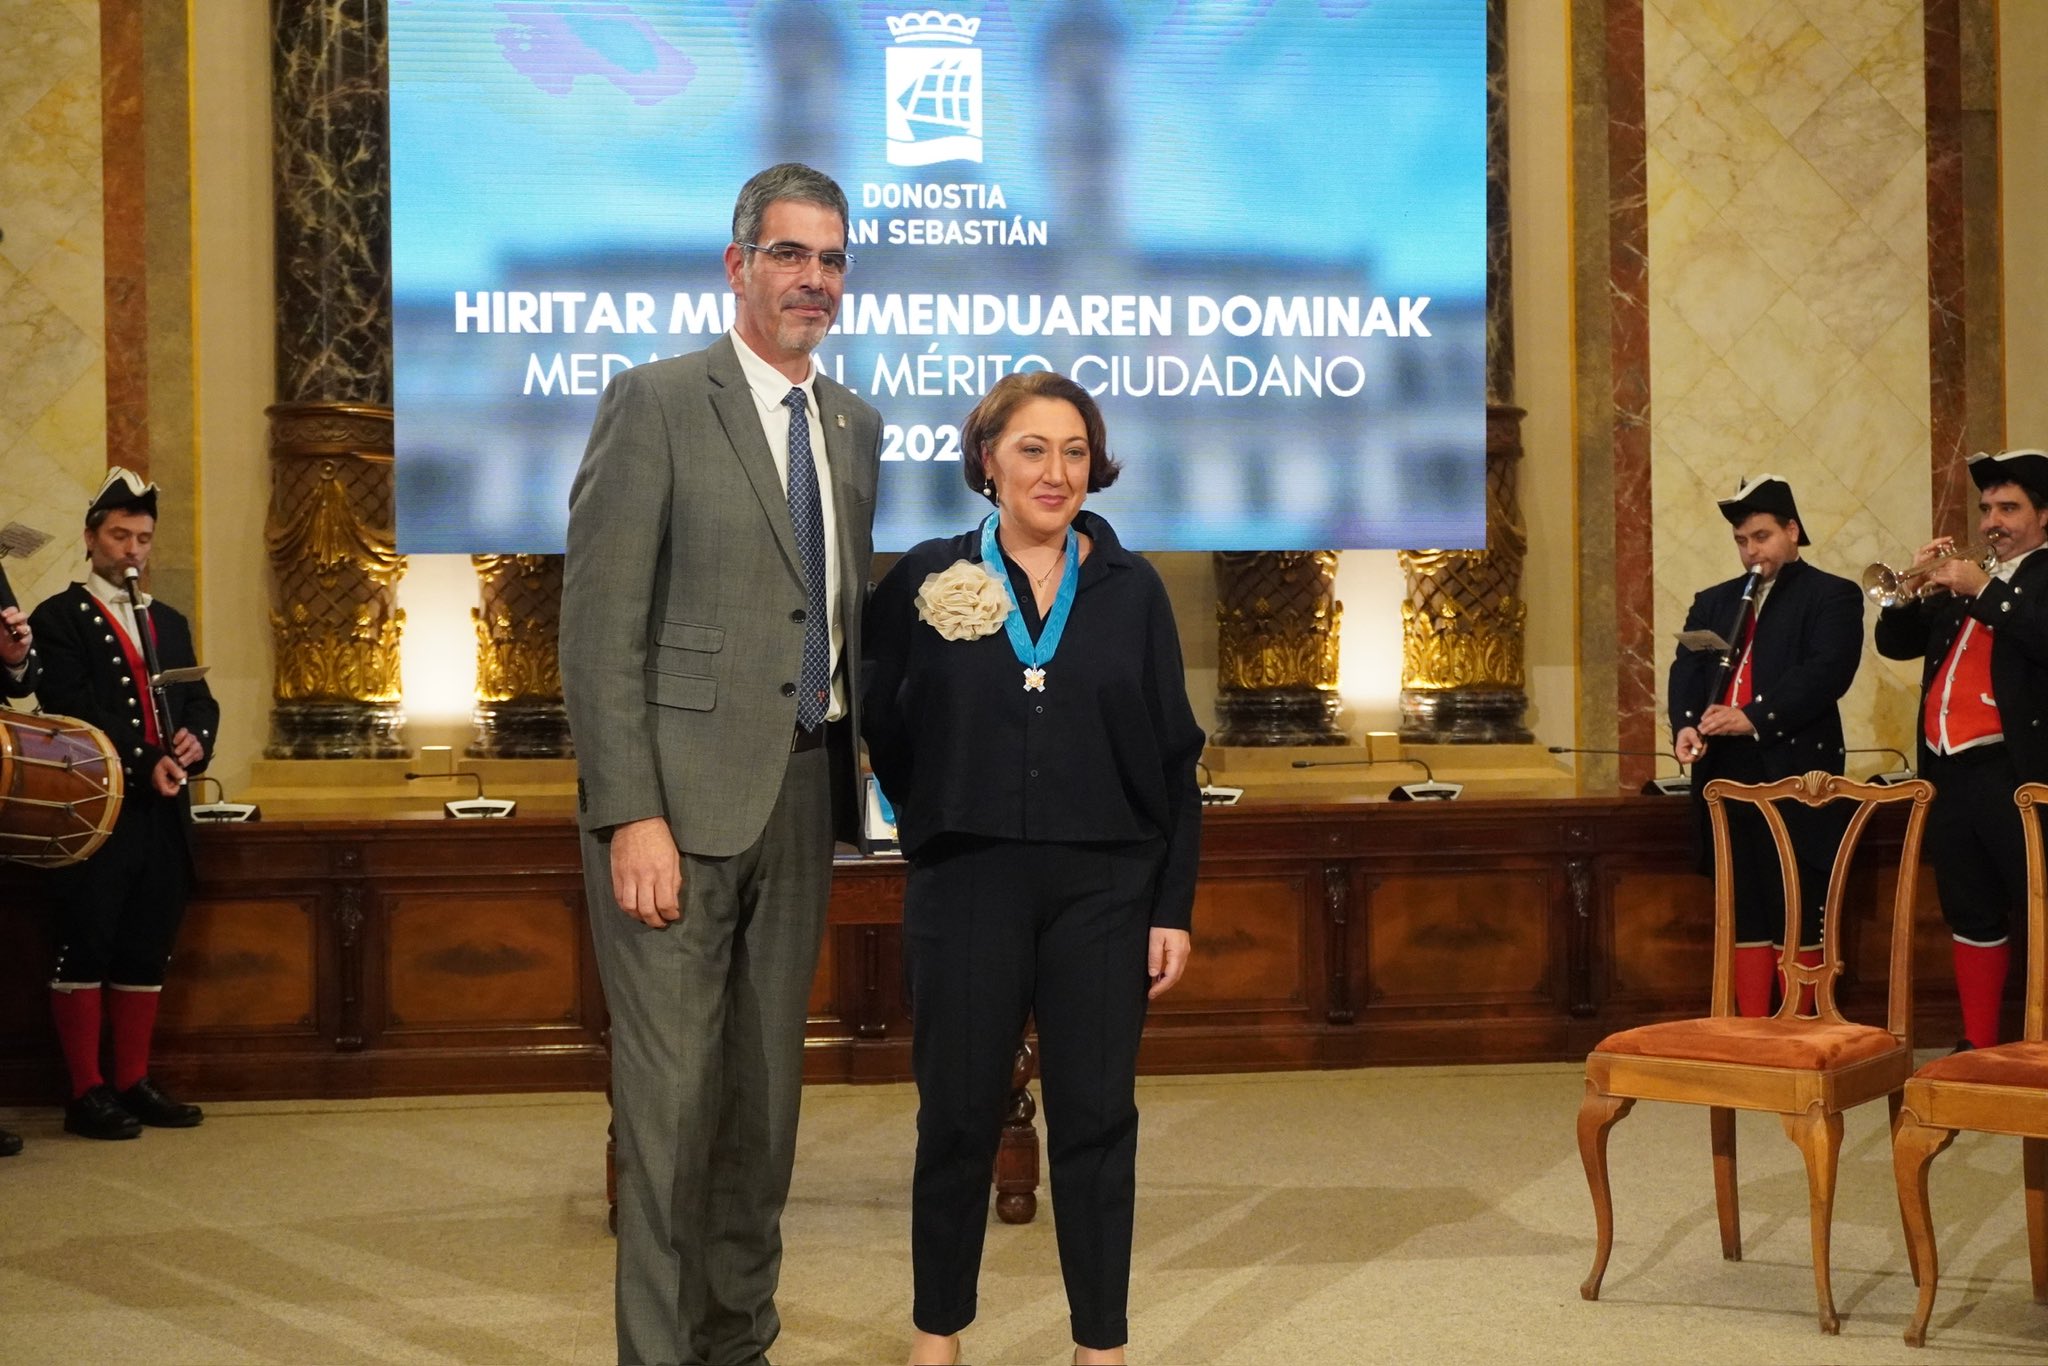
(96, 1114)
(146, 1101)
(10, 1143)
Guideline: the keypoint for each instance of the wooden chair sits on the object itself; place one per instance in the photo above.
(2002, 1090)
(1807, 1070)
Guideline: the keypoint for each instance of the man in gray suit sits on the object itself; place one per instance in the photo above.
(719, 538)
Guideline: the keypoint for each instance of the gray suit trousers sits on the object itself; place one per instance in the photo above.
(707, 1072)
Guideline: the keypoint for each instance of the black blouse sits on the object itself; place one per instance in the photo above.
(1105, 754)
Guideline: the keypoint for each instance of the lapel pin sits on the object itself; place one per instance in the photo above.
(840, 419)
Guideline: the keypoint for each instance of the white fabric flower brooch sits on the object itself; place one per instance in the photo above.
(963, 601)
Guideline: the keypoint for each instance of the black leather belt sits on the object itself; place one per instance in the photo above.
(802, 741)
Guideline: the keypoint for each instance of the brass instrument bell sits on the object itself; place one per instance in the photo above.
(1888, 587)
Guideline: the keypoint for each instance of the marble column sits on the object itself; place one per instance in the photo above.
(335, 567)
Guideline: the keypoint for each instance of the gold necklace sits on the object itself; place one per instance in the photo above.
(1039, 580)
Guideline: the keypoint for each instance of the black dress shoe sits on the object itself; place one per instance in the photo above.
(148, 1103)
(96, 1114)
(10, 1143)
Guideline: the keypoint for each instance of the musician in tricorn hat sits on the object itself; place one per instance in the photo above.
(1767, 708)
(1983, 634)
(117, 913)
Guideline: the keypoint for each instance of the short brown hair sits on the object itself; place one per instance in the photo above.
(2036, 498)
(978, 434)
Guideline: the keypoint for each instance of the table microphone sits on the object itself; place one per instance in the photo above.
(1428, 790)
(1679, 786)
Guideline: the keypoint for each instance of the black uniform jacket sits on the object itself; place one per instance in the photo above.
(86, 675)
(30, 668)
(2017, 612)
(1809, 640)
(1104, 754)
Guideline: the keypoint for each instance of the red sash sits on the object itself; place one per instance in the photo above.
(151, 733)
(1741, 684)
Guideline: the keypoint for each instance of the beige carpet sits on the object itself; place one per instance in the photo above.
(1399, 1215)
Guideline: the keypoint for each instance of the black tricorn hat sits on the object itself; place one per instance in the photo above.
(1765, 493)
(123, 491)
(2027, 468)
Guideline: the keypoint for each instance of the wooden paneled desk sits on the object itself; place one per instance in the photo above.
(419, 955)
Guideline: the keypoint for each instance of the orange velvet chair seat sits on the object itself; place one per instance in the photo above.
(2009, 1064)
(1755, 1042)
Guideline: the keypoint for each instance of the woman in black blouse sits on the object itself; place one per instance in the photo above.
(1027, 715)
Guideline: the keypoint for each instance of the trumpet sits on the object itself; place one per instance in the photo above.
(1888, 587)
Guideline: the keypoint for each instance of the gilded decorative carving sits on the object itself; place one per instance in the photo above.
(516, 626)
(1277, 619)
(319, 661)
(519, 711)
(1463, 620)
(334, 617)
(1461, 625)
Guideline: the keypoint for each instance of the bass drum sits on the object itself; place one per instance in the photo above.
(60, 789)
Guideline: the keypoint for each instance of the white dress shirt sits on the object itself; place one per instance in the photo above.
(769, 387)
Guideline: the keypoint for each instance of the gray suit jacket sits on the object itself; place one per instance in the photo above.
(680, 641)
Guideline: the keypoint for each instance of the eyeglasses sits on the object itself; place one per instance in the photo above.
(789, 257)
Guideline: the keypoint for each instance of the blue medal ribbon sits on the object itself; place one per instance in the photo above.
(1033, 655)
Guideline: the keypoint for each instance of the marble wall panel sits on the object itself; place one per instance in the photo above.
(1859, 27)
(1785, 68)
(1788, 263)
(1896, 66)
(1785, 359)
(165, 243)
(1788, 213)
(124, 229)
(1597, 653)
(1630, 373)
(1947, 296)
(1985, 204)
(52, 302)
(1857, 141)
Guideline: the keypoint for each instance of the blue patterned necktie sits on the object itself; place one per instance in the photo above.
(807, 519)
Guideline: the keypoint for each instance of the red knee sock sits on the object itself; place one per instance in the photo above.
(1980, 982)
(133, 1015)
(1756, 966)
(77, 1013)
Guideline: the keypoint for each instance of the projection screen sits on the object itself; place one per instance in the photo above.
(1254, 229)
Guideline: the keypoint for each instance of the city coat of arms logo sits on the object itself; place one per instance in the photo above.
(934, 89)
